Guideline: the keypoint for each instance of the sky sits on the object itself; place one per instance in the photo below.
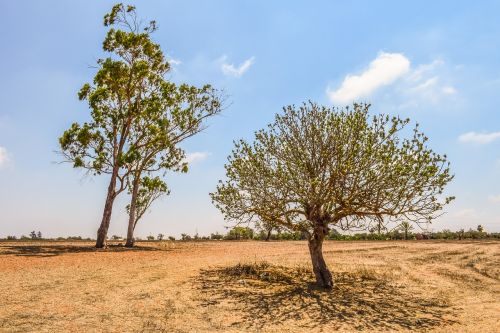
(436, 62)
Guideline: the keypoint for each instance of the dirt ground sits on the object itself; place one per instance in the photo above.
(447, 286)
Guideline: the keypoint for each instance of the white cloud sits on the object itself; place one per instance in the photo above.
(416, 85)
(231, 70)
(382, 71)
(173, 61)
(481, 138)
(196, 157)
(4, 157)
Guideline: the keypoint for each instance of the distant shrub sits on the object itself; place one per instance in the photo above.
(150, 238)
(216, 236)
(186, 237)
(172, 238)
(36, 235)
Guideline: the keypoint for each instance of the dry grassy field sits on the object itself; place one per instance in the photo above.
(450, 286)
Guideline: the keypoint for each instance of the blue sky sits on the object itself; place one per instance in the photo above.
(435, 62)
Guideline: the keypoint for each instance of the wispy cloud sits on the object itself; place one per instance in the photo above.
(4, 157)
(383, 70)
(425, 84)
(195, 157)
(236, 71)
(480, 138)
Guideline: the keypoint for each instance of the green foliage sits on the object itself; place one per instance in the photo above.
(150, 238)
(172, 238)
(470, 234)
(405, 227)
(445, 234)
(364, 236)
(149, 190)
(317, 166)
(238, 233)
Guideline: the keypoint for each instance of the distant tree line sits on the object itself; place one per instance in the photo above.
(247, 233)
(479, 233)
(38, 236)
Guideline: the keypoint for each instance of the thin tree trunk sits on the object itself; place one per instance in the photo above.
(132, 213)
(321, 272)
(102, 232)
(268, 235)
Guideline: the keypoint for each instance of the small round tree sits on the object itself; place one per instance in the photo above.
(317, 167)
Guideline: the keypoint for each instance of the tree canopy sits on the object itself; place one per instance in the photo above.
(319, 166)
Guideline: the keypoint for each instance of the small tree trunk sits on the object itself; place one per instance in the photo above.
(102, 232)
(268, 235)
(132, 213)
(406, 234)
(321, 272)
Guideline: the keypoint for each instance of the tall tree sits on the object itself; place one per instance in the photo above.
(316, 166)
(129, 87)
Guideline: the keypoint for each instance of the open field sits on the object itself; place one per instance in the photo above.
(448, 286)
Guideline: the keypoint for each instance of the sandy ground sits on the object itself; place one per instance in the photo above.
(450, 286)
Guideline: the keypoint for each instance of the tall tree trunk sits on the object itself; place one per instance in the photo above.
(321, 272)
(132, 213)
(102, 232)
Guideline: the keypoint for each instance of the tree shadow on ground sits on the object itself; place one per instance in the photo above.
(265, 295)
(49, 250)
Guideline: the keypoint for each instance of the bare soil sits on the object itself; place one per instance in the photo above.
(437, 286)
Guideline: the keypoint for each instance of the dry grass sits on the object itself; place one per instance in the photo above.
(250, 286)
